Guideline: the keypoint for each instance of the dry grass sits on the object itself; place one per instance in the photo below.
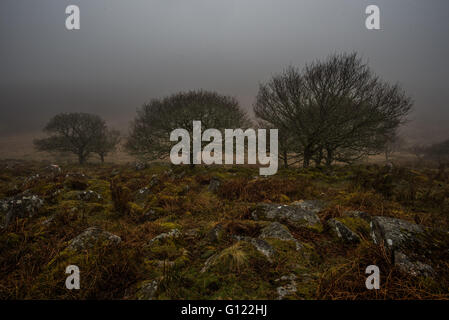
(32, 256)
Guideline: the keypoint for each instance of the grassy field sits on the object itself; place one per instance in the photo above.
(206, 218)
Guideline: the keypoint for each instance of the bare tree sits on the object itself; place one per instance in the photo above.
(106, 143)
(278, 104)
(151, 128)
(76, 133)
(394, 143)
(336, 110)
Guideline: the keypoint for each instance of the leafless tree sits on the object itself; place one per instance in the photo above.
(77, 133)
(106, 143)
(151, 128)
(278, 104)
(336, 110)
(394, 143)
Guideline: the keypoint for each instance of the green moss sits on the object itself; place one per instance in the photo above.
(167, 226)
(357, 225)
(71, 195)
(318, 227)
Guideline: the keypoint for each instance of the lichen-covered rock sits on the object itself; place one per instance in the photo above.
(394, 233)
(414, 268)
(173, 233)
(142, 194)
(216, 233)
(140, 166)
(286, 290)
(92, 236)
(300, 213)
(261, 245)
(289, 288)
(343, 232)
(28, 180)
(147, 290)
(214, 184)
(310, 205)
(20, 206)
(278, 231)
(89, 195)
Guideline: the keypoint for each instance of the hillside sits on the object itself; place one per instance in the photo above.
(176, 232)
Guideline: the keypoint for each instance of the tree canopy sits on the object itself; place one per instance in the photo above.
(150, 131)
(77, 133)
(336, 110)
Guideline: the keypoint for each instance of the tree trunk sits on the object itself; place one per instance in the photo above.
(102, 158)
(306, 161)
(81, 158)
(319, 158)
(329, 157)
(285, 159)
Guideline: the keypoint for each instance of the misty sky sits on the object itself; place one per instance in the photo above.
(128, 52)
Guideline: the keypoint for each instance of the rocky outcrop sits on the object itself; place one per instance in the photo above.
(20, 206)
(92, 236)
(214, 184)
(276, 230)
(147, 290)
(302, 213)
(401, 237)
(342, 231)
(261, 245)
(394, 233)
(140, 166)
(415, 268)
(173, 233)
(287, 289)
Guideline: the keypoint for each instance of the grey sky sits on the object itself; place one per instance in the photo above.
(128, 52)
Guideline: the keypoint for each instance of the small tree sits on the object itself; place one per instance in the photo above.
(150, 131)
(76, 133)
(393, 144)
(106, 143)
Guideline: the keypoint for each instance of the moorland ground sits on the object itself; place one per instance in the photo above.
(176, 232)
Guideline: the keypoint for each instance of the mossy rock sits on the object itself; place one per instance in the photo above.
(358, 225)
